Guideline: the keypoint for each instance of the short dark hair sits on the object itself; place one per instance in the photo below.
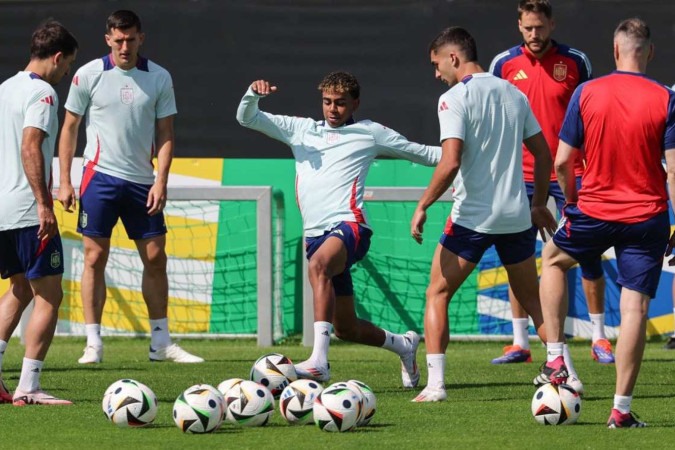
(123, 19)
(635, 28)
(456, 36)
(51, 38)
(341, 82)
(535, 6)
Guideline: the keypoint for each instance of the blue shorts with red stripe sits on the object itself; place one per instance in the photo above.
(104, 199)
(639, 247)
(512, 248)
(356, 239)
(591, 270)
(22, 252)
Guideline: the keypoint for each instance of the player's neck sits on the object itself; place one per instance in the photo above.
(468, 69)
(125, 65)
(39, 67)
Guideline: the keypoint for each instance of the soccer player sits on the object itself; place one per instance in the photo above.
(484, 121)
(333, 157)
(624, 122)
(130, 107)
(31, 254)
(547, 72)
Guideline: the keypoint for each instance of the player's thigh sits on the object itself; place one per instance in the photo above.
(48, 288)
(330, 258)
(96, 250)
(448, 272)
(134, 213)
(38, 258)
(580, 237)
(100, 201)
(152, 250)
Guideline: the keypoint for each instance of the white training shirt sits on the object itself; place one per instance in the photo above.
(121, 108)
(331, 164)
(491, 117)
(25, 101)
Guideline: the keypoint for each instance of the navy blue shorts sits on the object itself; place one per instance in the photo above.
(591, 270)
(512, 248)
(356, 239)
(639, 247)
(22, 252)
(104, 199)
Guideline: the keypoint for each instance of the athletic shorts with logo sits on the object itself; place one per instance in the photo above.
(104, 199)
(22, 252)
(356, 239)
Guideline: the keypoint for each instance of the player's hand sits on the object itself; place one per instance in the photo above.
(262, 87)
(543, 220)
(156, 199)
(669, 249)
(48, 226)
(417, 225)
(66, 195)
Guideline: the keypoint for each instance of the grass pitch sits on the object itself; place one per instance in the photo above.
(488, 406)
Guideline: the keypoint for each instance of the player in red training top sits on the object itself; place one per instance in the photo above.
(624, 122)
(547, 72)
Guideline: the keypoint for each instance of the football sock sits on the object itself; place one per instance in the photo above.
(322, 331)
(436, 370)
(30, 375)
(395, 343)
(159, 334)
(598, 323)
(93, 331)
(520, 332)
(3, 347)
(568, 361)
(553, 350)
(622, 403)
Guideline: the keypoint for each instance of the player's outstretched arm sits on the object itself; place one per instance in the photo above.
(670, 172)
(541, 216)
(393, 144)
(441, 180)
(67, 144)
(34, 167)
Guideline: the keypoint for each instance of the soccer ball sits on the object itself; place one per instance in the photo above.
(297, 401)
(369, 401)
(337, 408)
(228, 384)
(556, 405)
(128, 403)
(357, 391)
(249, 404)
(199, 409)
(274, 371)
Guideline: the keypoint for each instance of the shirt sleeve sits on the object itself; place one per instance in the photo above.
(78, 97)
(572, 131)
(392, 144)
(281, 128)
(531, 125)
(669, 135)
(41, 109)
(166, 101)
(452, 116)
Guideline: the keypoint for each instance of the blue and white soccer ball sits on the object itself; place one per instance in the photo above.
(556, 405)
(199, 409)
(274, 371)
(249, 404)
(296, 403)
(369, 401)
(337, 408)
(129, 403)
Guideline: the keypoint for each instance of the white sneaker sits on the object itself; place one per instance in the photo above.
(410, 373)
(173, 353)
(575, 383)
(5, 394)
(92, 355)
(308, 370)
(38, 397)
(431, 395)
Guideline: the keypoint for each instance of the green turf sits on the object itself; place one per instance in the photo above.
(488, 406)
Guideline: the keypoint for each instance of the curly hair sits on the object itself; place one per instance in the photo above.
(341, 82)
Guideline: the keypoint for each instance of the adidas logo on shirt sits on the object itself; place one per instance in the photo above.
(521, 75)
(48, 100)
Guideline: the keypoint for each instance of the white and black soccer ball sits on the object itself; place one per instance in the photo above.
(129, 403)
(296, 403)
(249, 404)
(274, 371)
(337, 408)
(228, 384)
(556, 405)
(199, 409)
(369, 401)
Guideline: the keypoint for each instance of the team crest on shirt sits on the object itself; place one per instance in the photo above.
(55, 260)
(83, 219)
(332, 137)
(559, 72)
(127, 95)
